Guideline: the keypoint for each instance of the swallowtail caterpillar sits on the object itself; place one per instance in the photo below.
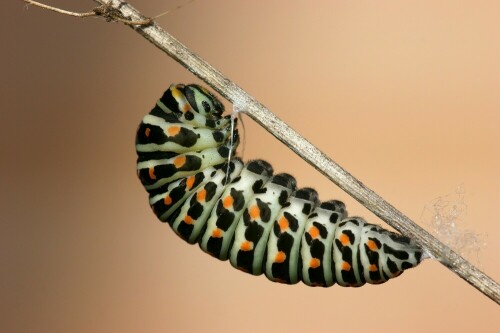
(242, 212)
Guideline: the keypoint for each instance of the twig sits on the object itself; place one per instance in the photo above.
(305, 149)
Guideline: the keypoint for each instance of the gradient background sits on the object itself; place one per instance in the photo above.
(403, 94)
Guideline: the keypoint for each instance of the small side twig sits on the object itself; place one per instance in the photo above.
(372, 201)
(105, 11)
(59, 10)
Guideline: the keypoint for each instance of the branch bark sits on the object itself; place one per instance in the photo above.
(258, 112)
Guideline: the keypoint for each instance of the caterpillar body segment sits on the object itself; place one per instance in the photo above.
(252, 231)
(283, 249)
(242, 212)
(189, 220)
(166, 199)
(317, 240)
(157, 136)
(229, 209)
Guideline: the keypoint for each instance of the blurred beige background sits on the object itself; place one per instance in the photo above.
(403, 94)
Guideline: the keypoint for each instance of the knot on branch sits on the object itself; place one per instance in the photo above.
(112, 14)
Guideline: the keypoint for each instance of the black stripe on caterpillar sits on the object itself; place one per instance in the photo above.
(242, 212)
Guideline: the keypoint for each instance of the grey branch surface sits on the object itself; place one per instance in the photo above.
(255, 110)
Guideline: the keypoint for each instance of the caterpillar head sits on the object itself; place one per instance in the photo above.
(196, 99)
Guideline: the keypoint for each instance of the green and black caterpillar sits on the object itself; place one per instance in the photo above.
(242, 212)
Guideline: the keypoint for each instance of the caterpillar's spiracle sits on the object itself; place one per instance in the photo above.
(242, 212)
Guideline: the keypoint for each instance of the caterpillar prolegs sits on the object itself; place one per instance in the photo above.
(242, 212)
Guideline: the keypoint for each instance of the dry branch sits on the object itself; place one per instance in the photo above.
(255, 110)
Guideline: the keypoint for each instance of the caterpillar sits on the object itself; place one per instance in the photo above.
(242, 212)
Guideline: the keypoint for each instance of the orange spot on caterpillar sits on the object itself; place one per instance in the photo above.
(313, 232)
(373, 268)
(254, 212)
(280, 257)
(200, 196)
(173, 130)
(188, 220)
(152, 173)
(168, 200)
(217, 233)
(186, 107)
(372, 245)
(344, 239)
(179, 161)
(346, 266)
(314, 263)
(228, 201)
(190, 182)
(147, 132)
(283, 223)
(246, 246)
